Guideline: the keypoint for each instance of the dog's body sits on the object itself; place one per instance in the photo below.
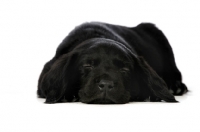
(103, 63)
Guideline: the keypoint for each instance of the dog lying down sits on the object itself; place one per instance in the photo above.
(101, 63)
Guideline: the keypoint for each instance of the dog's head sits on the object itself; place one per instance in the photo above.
(104, 71)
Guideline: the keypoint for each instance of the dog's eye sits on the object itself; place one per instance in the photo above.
(88, 66)
(124, 70)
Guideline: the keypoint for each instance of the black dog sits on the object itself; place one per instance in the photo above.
(103, 63)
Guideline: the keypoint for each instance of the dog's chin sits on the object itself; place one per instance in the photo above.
(97, 100)
(101, 101)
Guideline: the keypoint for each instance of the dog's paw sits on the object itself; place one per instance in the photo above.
(51, 97)
(50, 100)
(179, 89)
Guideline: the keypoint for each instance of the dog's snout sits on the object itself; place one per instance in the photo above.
(106, 85)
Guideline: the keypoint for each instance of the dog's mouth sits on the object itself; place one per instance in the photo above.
(100, 98)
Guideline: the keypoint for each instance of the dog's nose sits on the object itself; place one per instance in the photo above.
(106, 85)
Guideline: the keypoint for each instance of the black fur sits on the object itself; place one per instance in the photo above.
(104, 63)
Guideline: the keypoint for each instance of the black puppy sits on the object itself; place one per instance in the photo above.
(104, 63)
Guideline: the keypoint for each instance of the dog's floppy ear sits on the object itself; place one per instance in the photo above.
(151, 85)
(57, 82)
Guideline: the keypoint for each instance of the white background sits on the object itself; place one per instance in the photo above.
(30, 32)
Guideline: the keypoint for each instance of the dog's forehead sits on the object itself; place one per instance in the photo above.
(105, 51)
